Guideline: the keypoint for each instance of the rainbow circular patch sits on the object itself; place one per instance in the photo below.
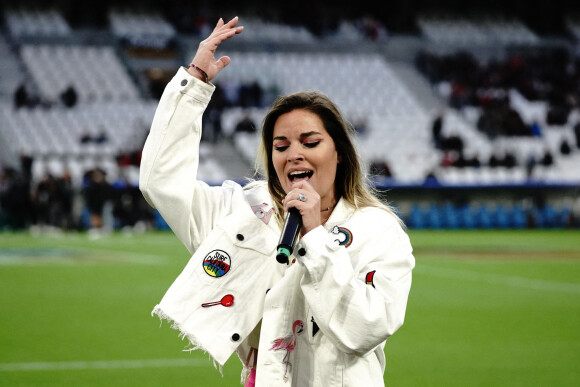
(217, 263)
(346, 239)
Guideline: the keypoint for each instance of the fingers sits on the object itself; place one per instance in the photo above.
(204, 57)
(221, 33)
(229, 27)
(306, 200)
(223, 62)
(219, 24)
(302, 196)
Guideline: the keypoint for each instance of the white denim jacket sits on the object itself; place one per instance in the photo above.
(325, 318)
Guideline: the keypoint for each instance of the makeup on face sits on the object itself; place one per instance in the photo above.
(304, 151)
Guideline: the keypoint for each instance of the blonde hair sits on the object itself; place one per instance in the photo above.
(351, 182)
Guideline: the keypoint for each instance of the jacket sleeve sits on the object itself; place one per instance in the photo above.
(170, 160)
(357, 313)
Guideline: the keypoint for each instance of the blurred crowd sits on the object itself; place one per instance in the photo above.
(550, 74)
(55, 203)
(102, 202)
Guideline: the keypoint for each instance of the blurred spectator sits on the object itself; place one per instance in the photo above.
(96, 192)
(577, 134)
(246, 125)
(495, 160)
(212, 118)
(101, 138)
(126, 206)
(530, 166)
(20, 97)
(565, 148)
(473, 161)
(507, 160)
(69, 97)
(64, 202)
(23, 98)
(250, 95)
(44, 198)
(124, 159)
(15, 199)
(547, 159)
(53, 199)
(498, 118)
(460, 161)
(452, 143)
(436, 128)
(26, 162)
(448, 159)
(431, 179)
(85, 138)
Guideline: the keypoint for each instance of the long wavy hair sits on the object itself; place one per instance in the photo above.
(351, 182)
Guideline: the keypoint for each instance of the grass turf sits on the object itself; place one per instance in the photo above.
(497, 308)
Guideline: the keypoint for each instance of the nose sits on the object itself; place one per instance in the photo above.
(294, 154)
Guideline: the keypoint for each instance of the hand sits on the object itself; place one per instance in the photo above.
(309, 209)
(205, 56)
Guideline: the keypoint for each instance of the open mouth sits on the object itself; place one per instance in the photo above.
(300, 175)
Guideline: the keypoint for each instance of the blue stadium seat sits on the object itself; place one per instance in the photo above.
(467, 217)
(518, 216)
(434, 218)
(502, 217)
(484, 216)
(416, 217)
(160, 223)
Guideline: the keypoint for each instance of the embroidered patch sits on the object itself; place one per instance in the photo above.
(263, 212)
(369, 278)
(344, 236)
(227, 301)
(217, 263)
(288, 343)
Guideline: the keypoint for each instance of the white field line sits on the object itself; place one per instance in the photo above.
(98, 256)
(515, 281)
(102, 365)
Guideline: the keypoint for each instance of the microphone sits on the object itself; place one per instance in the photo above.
(289, 235)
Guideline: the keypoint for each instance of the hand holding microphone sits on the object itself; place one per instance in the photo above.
(301, 203)
(289, 235)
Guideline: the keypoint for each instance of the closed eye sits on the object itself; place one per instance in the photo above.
(280, 148)
(311, 144)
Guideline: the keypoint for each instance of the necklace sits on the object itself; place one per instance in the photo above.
(327, 209)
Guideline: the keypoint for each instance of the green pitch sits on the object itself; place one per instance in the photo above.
(487, 308)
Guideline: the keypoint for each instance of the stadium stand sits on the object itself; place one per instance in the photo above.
(29, 21)
(73, 104)
(456, 30)
(140, 27)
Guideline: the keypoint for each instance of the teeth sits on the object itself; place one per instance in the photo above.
(300, 175)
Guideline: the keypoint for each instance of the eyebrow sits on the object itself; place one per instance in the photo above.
(302, 135)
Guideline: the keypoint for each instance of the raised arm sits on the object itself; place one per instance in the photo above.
(171, 153)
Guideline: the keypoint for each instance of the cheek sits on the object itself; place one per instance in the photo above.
(278, 165)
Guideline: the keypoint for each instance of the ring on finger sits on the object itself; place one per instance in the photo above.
(302, 197)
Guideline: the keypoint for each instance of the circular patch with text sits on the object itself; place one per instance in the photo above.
(217, 263)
